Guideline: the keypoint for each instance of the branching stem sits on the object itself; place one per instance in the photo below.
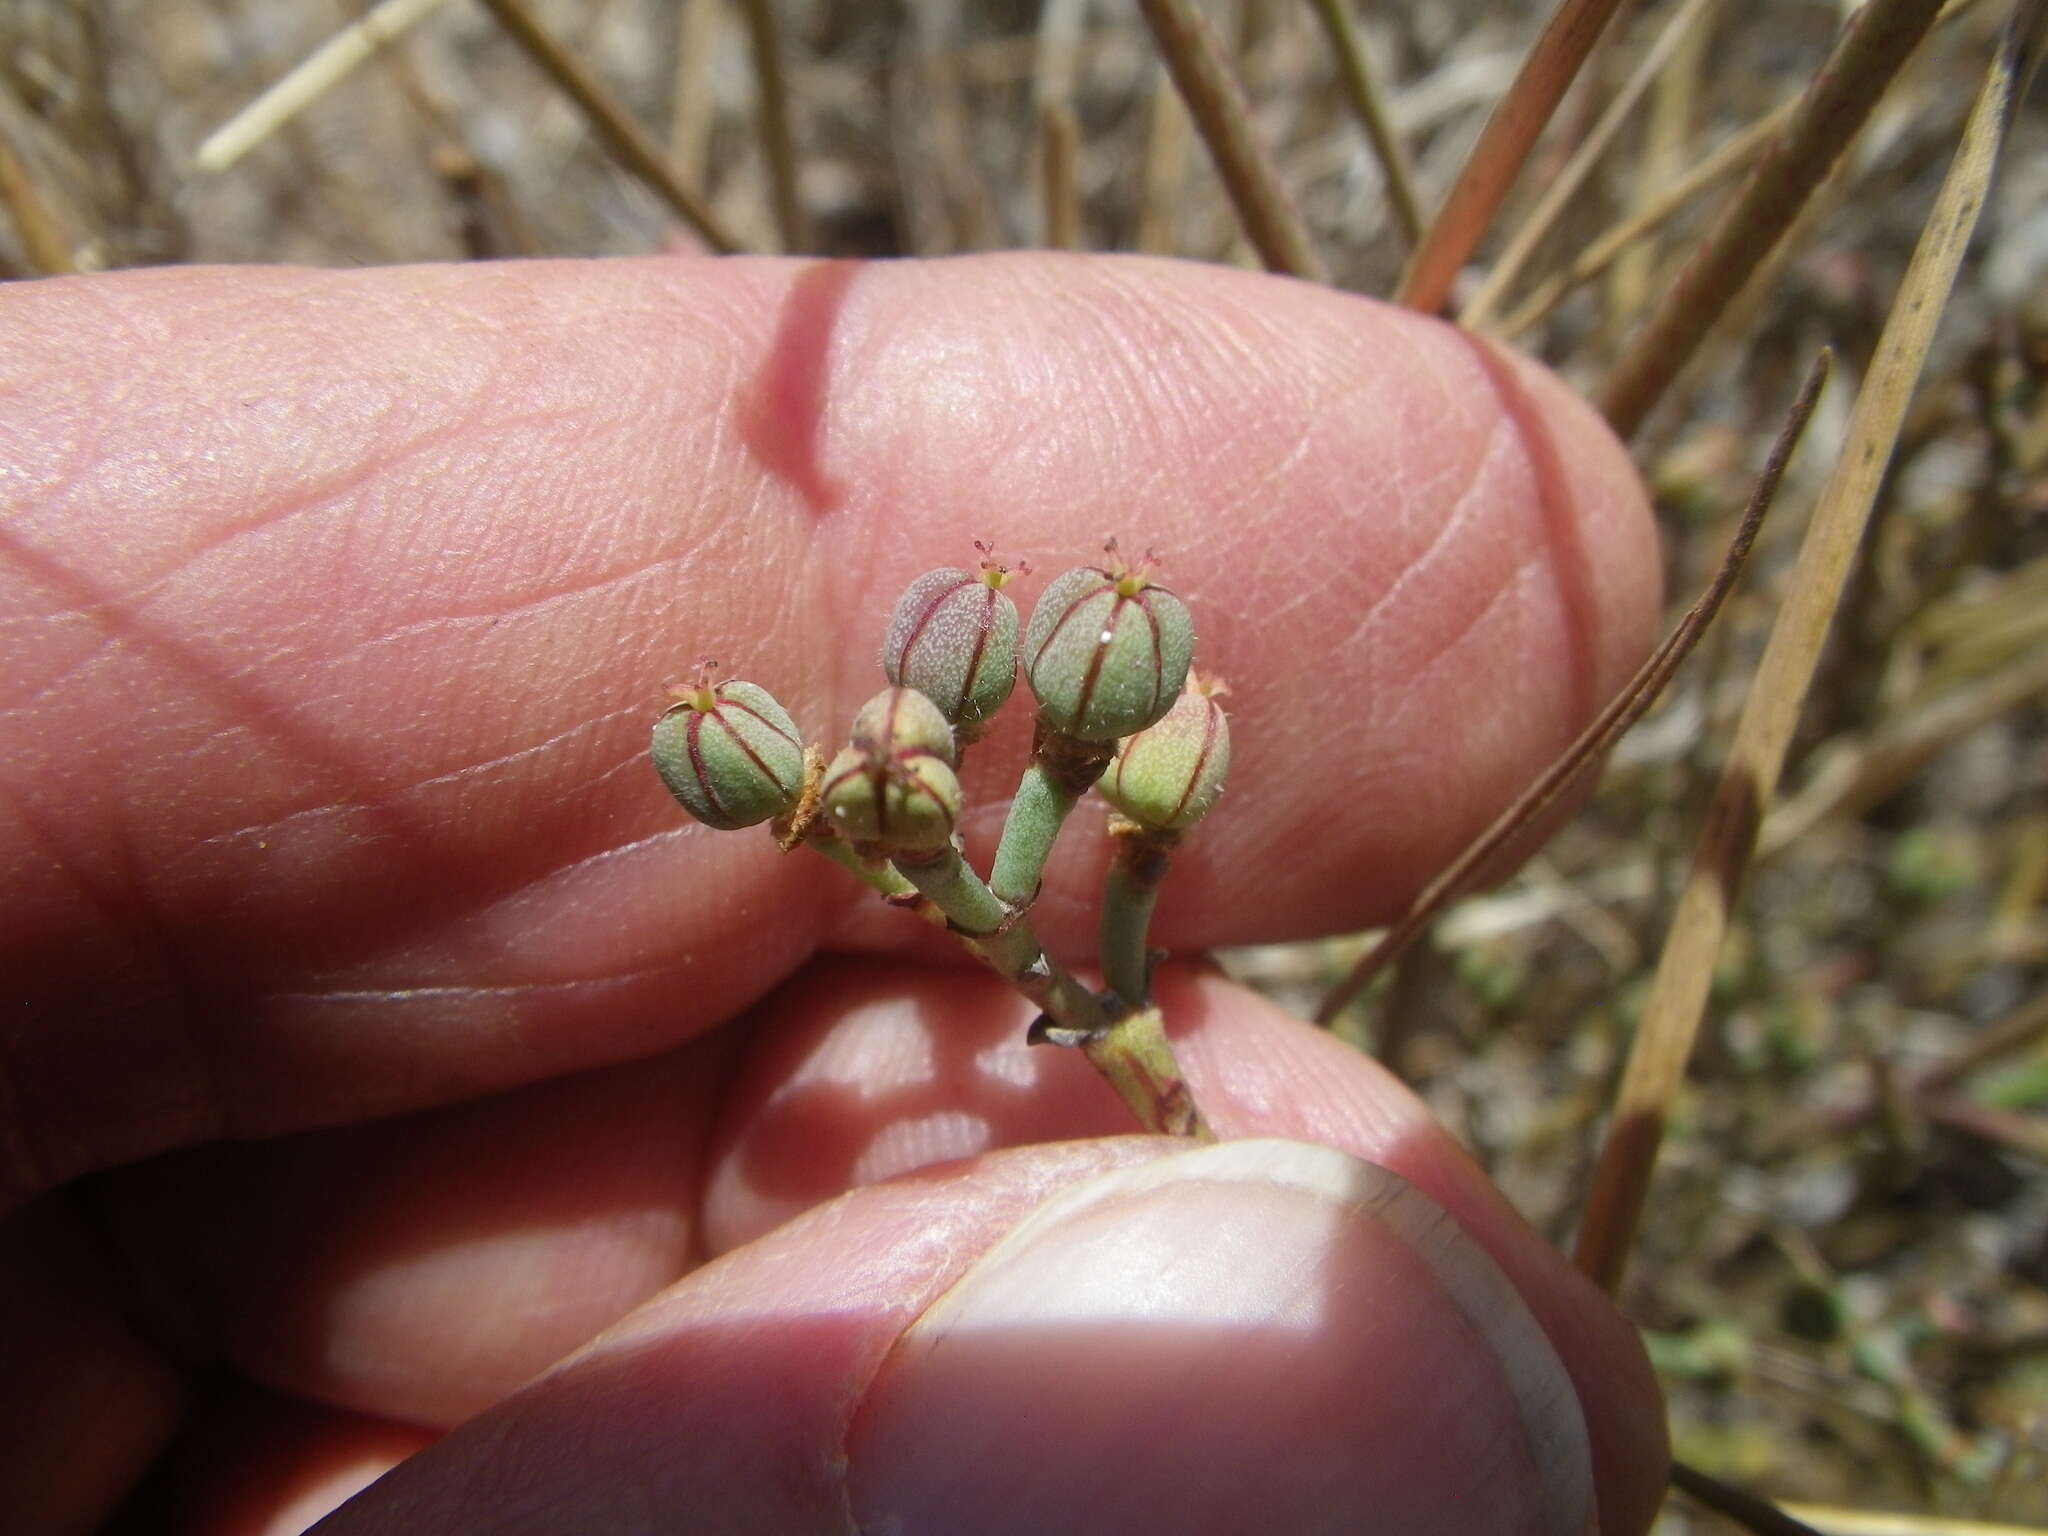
(1062, 768)
(881, 877)
(1002, 936)
(1129, 1049)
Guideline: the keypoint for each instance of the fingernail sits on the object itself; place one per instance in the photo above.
(1260, 1335)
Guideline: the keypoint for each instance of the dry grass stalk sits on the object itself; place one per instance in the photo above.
(695, 111)
(1745, 1509)
(1532, 230)
(1059, 156)
(771, 85)
(1367, 98)
(1603, 251)
(1056, 52)
(1668, 133)
(1831, 1521)
(634, 151)
(1771, 712)
(1504, 144)
(487, 217)
(1166, 155)
(2026, 1135)
(1867, 773)
(1629, 706)
(48, 252)
(1214, 100)
(1872, 48)
(321, 71)
(2016, 1031)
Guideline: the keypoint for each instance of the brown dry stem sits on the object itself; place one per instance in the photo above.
(629, 145)
(1873, 47)
(1216, 103)
(1629, 706)
(1685, 969)
(1504, 144)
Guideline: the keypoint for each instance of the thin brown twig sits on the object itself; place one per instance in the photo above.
(2015, 1031)
(1059, 154)
(1532, 230)
(771, 82)
(1869, 772)
(1627, 707)
(1745, 1509)
(1763, 734)
(1870, 52)
(618, 132)
(45, 247)
(2025, 1134)
(488, 220)
(1606, 248)
(1215, 101)
(1666, 146)
(1504, 144)
(1367, 97)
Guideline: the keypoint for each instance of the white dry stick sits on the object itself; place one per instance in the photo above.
(298, 90)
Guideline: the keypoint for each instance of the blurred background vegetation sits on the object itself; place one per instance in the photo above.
(1843, 1271)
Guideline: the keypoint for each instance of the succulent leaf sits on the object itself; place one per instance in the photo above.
(730, 755)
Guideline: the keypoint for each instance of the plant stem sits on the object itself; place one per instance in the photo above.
(623, 137)
(1216, 102)
(1131, 1051)
(1036, 814)
(1134, 1056)
(881, 877)
(1002, 936)
(1129, 893)
(1062, 768)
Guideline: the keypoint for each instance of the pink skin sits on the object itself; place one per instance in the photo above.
(334, 609)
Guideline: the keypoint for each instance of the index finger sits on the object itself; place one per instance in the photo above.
(339, 604)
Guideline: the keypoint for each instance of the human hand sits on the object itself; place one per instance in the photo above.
(336, 610)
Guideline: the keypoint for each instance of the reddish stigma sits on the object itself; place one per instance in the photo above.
(994, 573)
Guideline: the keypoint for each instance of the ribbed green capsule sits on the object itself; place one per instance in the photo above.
(1106, 653)
(904, 803)
(953, 637)
(1167, 776)
(902, 720)
(730, 755)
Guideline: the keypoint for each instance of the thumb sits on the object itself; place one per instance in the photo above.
(1104, 1337)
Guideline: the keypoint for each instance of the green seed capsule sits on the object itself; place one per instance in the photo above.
(1106, 653)
(900, 720)
(730, 755)
(953, 637)
(905, 803)
(1167, 776)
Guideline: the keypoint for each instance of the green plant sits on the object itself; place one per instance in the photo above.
(1106, 656)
